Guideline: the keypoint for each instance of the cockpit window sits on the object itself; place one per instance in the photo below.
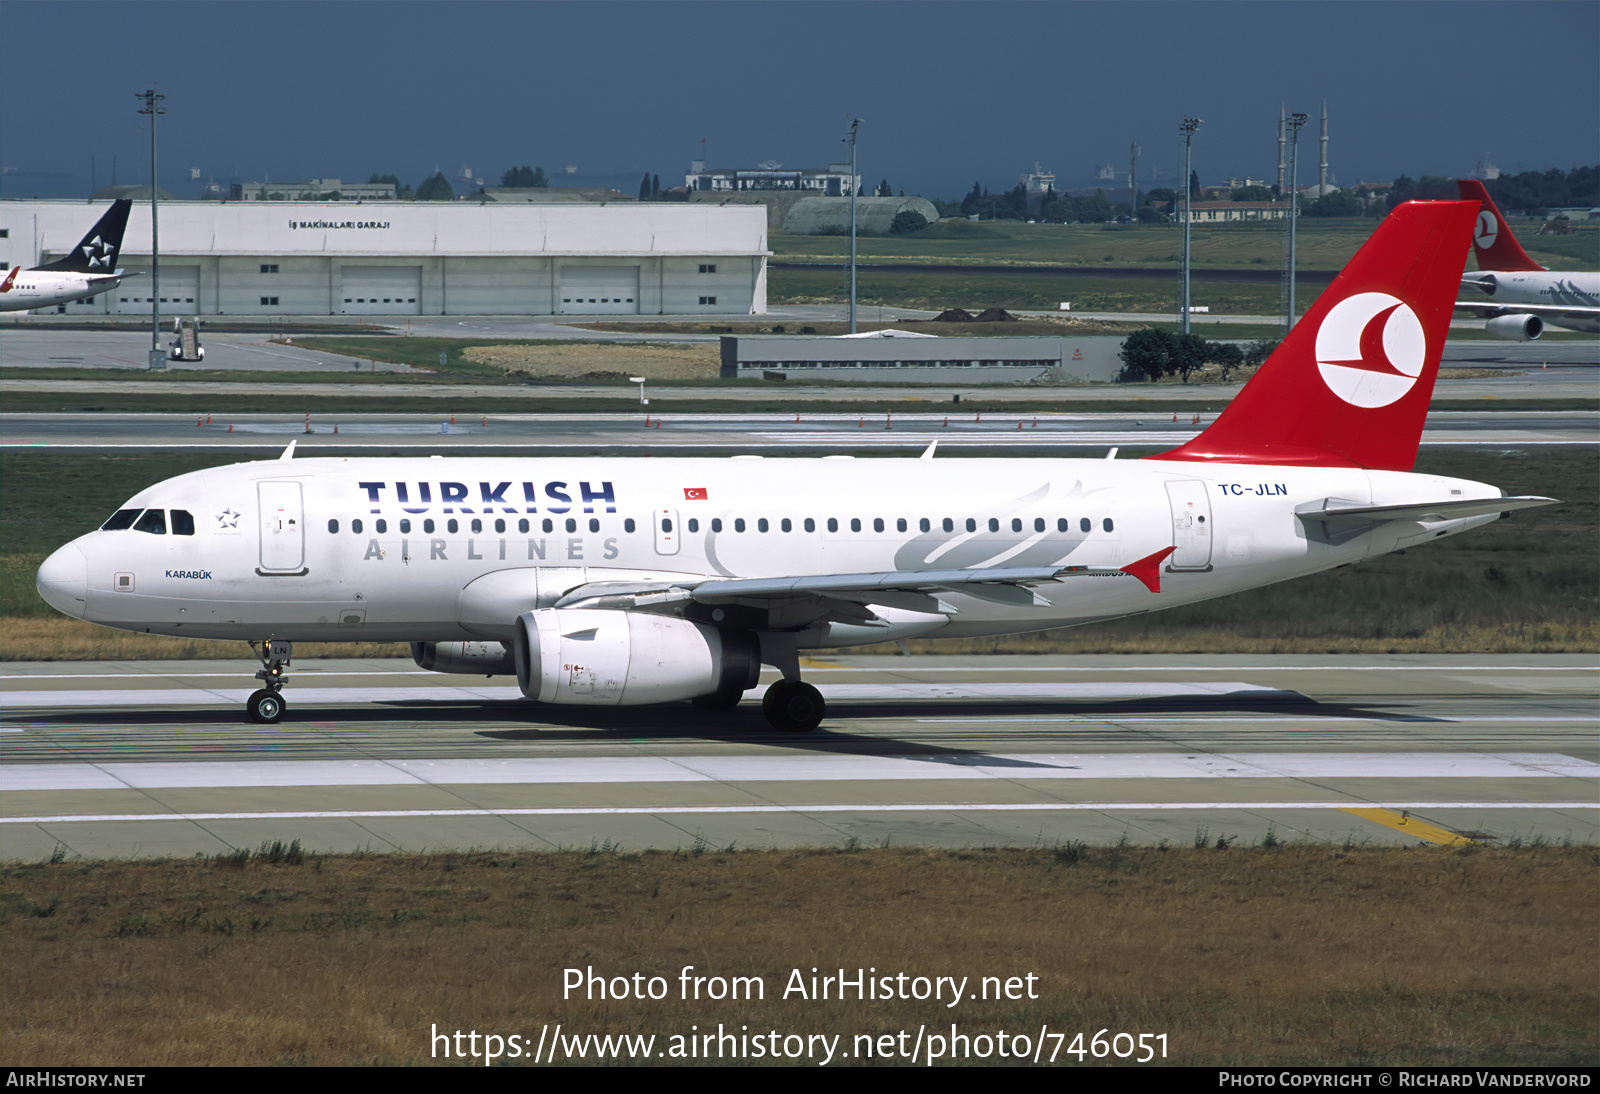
(122, 518)
(182, 522)
(154, 521)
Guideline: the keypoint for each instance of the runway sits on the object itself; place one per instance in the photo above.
(799, 432)
(156, 758)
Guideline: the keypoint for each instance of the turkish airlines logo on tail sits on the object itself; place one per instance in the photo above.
(1370, 349)
(11, 279)
(1488, 228)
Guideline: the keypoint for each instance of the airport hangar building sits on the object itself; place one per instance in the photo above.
(416, 258)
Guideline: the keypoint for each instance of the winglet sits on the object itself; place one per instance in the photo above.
(1148, 568)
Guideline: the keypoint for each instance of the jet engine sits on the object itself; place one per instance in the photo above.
(1516, 328)
(598, 657)
(475, 658)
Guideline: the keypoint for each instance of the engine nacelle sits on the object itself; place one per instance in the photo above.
(1516, 328)
(594, 657)
(475, 658)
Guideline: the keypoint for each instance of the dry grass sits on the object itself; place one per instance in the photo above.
(1268, 955)
(589, 360)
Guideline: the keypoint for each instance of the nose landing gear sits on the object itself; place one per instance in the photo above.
(266, 704)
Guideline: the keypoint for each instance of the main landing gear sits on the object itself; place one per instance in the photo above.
(793, 705)
(266, 704)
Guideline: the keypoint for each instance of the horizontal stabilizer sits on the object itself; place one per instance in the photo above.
(1427, 512)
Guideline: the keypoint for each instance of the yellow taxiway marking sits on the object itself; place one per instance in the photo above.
(1409, 825)
(813, 663)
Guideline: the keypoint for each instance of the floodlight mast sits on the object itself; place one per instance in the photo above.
(1293, 123)
(854, 125)
(152, 106)
(1187, 128)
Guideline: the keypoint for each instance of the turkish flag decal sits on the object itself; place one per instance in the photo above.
(694, 493)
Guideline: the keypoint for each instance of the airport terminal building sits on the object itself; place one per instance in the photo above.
(416, 258)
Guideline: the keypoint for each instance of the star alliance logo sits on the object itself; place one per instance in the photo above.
(99, 253)
(227, 519)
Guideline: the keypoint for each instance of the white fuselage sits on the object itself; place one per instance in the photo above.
(450, 549)
(1548, 292)
(30, 289)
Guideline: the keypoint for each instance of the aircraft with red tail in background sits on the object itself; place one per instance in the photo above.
(1524, 296)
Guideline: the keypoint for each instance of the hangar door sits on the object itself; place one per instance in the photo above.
(599, 290)
(179, 290)
(380, 290)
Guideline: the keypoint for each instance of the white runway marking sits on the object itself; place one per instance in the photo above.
(737, 769)
(945, 807)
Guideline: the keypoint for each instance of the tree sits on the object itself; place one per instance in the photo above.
(970, 202)
(1147, 353)
(883, 190)
(655, 184)
(401, 190)
(525, 176)
(1188, 354)
(436, 189)
(908, 220)
(1340, 203)
(1226, 356)
(1251, 193)
(644, 187)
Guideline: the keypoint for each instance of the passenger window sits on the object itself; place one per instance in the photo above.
(694, 524)
(811, 525)
(183, 523)
(1038, 524)
(949, 525)
(594, 525)
(572, 525)
(333, 525)
(381, 525)
(994, 524)
(122, 518)
(355, 526)
(1107, 525)
(1062, 525)
(427, 526)
(738, 524)
(716, 524)
(900, 525)
(499, 525)
(522, 525)
(833, 524)
(761, 524)
(154, 521)
(786, 526)
(666, 524)
(1083, 525)
(877, 524)
(972, 525)
(1016, 524)
(925, 524)
(855, 524)
(627, 525)
(547, 524)
(405, 524)
(477, 526)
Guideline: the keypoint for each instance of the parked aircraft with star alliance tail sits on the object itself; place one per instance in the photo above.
(626, 581)
(88, 269)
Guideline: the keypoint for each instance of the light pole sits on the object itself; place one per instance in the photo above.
(1187, 128)
(854, 124)
(152, 106)
(1293, 122)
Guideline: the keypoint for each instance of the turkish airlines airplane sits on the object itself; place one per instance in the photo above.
(89, 269)
(602, 582)
(1526, 295)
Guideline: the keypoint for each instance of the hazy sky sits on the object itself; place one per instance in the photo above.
(951, 93)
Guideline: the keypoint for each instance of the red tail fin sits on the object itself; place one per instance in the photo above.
(1492, 242)
(1349, 386)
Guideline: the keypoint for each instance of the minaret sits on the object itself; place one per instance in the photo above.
(1281, 140)
(1322, 160)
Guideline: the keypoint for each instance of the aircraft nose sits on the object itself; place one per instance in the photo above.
(63, 581)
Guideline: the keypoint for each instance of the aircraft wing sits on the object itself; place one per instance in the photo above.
(1490, 310)
(891, 587)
